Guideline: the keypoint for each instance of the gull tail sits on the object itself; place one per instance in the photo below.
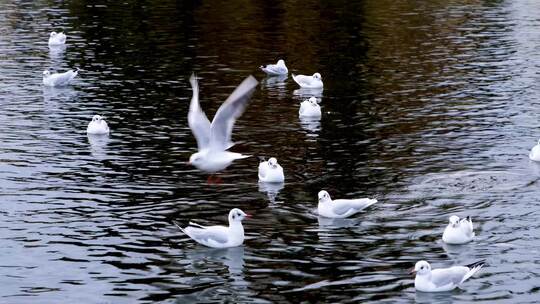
(370, 202)
(474, 268)
(178, 225)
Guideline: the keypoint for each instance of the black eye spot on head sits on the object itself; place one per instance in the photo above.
(233, 216)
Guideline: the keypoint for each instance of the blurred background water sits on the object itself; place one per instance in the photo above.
(429, 106)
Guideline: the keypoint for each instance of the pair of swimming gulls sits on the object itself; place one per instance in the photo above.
(304, 81)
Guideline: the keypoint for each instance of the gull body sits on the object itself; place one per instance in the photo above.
(341, 208)
(535, 152)
(270, 171)
(444, 279)
(56, 39)
(275, 69)
(97, 126)
(310, 82)
(213, 139)
(310, 108)
(458, 231)
(219, 236)
(59, 79)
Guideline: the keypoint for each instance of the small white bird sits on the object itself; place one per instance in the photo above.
(310, 82)
(458, 231)
(270, 171)
(341, 208)
(443, 279)
(56, 39)
(59, 79)
(218, 236)
(98, 126)
(275, 69)
(214, 139)
(310, 108)
(535, 152)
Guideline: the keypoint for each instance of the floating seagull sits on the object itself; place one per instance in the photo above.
(98, 126)
(341, 208)
(270, 171)
(310, 82)
(458, 231)
(275, 69)
(218, 236)
(59, 79)
(443, 279)
(310, 108)
(214, 139)
(535, 152)
(56, 39)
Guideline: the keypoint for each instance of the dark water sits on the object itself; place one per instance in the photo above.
(430, 106)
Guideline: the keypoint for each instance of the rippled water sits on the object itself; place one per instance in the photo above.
(430, 106)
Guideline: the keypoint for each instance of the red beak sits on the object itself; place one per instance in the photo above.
(248, 215)
(412, 271)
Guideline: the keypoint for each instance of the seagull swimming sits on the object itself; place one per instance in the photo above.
(214, 139)
(458, 231)
(59, 79)
(97, 126)
(535, 152)
(341, 208)
(310, 108)
(275, 69)
(270, 171)
(56, 39)
(218, 236)
(443, 279)
(310, 82)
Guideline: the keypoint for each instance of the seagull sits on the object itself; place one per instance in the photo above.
(458, 231)
(535, 152)
(444, 279)
(341, 208)
(58, 79)
(310, 108)
(97, 126)
(214, 139)
(270, 171)
(56, 39)
(310, 82)
(218, 236)
(275, 69)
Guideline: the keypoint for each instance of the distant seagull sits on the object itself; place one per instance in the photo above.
(270, 171)
(310, 108)
(443, 279)
(59, 79)
(275, 69)
(214, 139)
(341, 208)
(458, 231)
(56, 39)
(309, 82)
(535, 152)
(218, 236)
(97, 126)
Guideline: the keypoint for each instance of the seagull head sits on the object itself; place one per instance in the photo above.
(281, 62)
(454, 221)
(313, 101)
(317, 76)
(272, 162)
(97, 118)
(324, 196)
(421, 268)
(53, 34)
(196, 159)
(46, 73)
(237, 215)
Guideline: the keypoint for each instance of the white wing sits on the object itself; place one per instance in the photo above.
(230, 110)
(197, 120)
(213, 233)
(274, 69)
(453, 275)
(61, 79)
(341, 207)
